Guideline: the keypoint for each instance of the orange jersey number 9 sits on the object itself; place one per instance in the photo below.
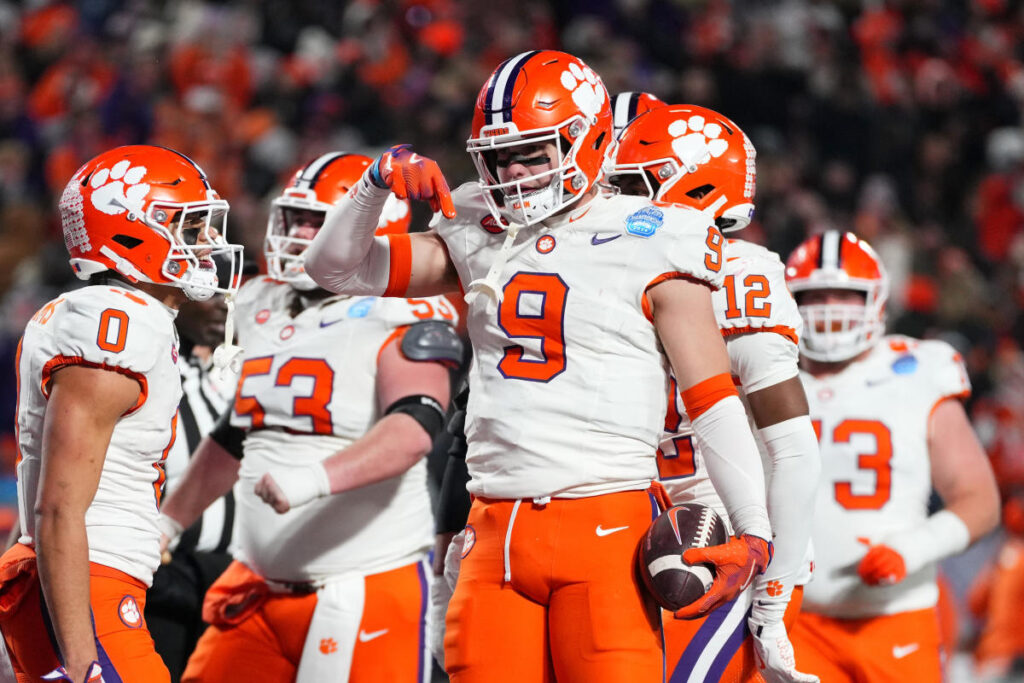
(534, 306)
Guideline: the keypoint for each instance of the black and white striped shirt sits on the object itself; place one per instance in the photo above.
(205, 395)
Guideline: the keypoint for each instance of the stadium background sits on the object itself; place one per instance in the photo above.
(898, 119)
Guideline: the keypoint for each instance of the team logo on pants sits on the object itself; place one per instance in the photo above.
(469, 540)
(129, 612)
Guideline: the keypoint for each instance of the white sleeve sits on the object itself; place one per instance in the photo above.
(795, 470)
(762, 359)
(734, 465)
(345, 257)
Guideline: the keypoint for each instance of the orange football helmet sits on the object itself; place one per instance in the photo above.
(535, 97)
(150, 214)
(690, 155)
(626, 106)
(838, 260)
(314, 189)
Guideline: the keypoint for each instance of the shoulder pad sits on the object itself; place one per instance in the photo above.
(432, 340)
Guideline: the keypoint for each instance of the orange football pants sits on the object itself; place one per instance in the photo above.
(718, 648)
(997, 598)
(118, 601)
(893, 648)
(266, 647)
(550, 591)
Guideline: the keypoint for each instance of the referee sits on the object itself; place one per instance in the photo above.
(174, 603)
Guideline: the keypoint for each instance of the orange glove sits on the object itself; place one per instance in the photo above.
(882, 566)
(411, 176)
(736, 564)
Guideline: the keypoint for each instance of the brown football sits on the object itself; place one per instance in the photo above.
(673, 582)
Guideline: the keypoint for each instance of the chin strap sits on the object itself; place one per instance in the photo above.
(228, 357)
(488, 285)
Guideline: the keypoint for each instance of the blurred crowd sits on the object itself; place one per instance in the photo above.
(898, 119)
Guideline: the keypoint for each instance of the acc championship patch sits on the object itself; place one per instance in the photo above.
(905, 365)
(361, 308)
(644, 222)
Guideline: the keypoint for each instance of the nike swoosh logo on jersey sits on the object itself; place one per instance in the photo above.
(324, 323)
(600, 531)
(597, 239)
(901, 651)
(878, 380)
(365, 637)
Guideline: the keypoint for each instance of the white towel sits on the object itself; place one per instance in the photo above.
(327, 653)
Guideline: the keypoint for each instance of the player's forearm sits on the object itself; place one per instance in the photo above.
(733, 464)
(63, 559)
(210, 474)
(795, 470)
(978, 509)
(392, 446)
(345, 257)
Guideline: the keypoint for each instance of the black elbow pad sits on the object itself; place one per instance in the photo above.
(230, 438)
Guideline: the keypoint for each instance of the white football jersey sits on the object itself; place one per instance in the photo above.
(568, 382)
(121, 329)
(872, 422)
(308, 389)
(761, 325)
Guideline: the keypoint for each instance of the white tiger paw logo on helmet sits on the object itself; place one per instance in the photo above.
(585, 86)
(696, 141)
(119, 189)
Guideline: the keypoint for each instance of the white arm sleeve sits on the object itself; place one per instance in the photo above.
(795, 470)
(941, 535)
(345, 257)
(732, 460)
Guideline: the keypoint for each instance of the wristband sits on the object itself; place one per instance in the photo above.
(300, 485)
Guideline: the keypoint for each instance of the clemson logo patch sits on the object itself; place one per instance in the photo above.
(262, 316)
(129, 612)
(546, 244)
(287, 332)
(469, 540)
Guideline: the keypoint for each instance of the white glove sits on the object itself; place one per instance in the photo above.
(441, 591)
(774, 653)
(284, 488)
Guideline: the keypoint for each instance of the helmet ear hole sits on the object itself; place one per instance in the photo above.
(701, 191)
(127, 241)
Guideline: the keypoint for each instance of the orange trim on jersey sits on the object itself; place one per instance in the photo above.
(58, 362)
(396, 333)
(130, 296)
(674, 275)
(400, 265)
(786, 331)
(160, 466)
(962, 396)
(699, 398)
(17, 403)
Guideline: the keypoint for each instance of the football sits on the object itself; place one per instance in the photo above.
(672, 582)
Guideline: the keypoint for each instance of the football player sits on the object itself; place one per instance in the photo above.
(626, 106)
(97, 395)
(761, 325)
(338, 400)
(573, 295)
(891, 425)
